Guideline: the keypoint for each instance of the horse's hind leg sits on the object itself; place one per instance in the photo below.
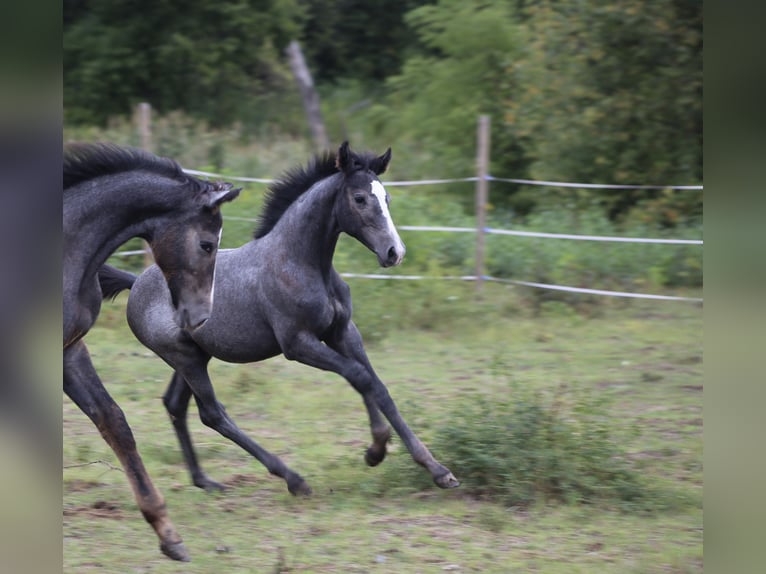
(213, 415)
(83, 386)
(176, 400)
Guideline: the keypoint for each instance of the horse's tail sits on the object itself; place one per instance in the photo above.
(113, 281)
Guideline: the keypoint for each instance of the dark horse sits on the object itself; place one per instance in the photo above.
(279, 293)
(112, 194)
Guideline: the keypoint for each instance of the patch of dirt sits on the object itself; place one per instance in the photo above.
(240, 480)
(78, 485)
(691, 387)
(99, 509)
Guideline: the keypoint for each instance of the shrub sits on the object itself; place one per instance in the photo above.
(533, 446)
(530, 447)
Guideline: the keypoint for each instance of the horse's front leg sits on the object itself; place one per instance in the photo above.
(381, 433)
(351, 347)
(356, 369)
(84, 387)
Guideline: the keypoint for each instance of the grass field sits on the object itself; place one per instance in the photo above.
(643, 358)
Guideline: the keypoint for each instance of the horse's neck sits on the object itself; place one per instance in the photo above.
(100, 216)
(309, 228)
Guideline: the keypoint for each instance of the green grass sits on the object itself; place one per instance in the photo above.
(644, 359)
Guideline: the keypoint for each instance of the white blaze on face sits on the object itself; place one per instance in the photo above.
(380, 192)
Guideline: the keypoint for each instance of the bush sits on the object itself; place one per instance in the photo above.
(532, 447)
(561, 446)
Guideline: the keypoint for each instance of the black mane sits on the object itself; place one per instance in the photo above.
(295, 182)
(84, 161)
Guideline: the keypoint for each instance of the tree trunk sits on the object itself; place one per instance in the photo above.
(309, 95)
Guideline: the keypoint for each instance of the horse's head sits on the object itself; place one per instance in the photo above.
(363, 205)
(185, 250)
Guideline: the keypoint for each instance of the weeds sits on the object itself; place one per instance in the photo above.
(559, 445)
(534, 446)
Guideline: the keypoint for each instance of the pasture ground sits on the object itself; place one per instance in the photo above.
(645, 357)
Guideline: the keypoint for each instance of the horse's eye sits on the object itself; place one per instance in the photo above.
(206, 246)
(360, 199)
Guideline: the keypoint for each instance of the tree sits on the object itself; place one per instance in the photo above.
(460, 71)
(358, 39)
(611, 92)
(210, 58)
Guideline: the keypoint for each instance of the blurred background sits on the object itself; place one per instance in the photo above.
(591, 92)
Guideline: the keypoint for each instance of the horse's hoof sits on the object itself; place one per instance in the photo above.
(373, 457)
(447, 480)
(176, 551)
(298, 486)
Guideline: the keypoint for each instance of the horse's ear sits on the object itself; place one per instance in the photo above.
(380, 164)
(343, 160)
(222, 194)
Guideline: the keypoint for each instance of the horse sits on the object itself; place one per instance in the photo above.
(280, 294)
(112, 194)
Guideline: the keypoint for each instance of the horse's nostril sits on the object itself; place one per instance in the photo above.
(392, 253)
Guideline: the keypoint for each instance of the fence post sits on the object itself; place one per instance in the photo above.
(144, 119)
(482, 167)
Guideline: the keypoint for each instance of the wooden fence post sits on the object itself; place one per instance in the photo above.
(482, 168)
(144, 119)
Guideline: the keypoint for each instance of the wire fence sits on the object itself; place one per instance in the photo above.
(489, 230)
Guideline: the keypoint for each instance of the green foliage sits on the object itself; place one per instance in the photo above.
(357, 39)
(196, 145)
(611, 93)
(459, 74)
(214, 60)
(636, 267)
(595, 92)
(539, 446)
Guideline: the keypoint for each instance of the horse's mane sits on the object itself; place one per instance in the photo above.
(84, 161)
(296, 181)
(289, 187)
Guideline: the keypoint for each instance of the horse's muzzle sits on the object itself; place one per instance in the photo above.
(393, 257)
